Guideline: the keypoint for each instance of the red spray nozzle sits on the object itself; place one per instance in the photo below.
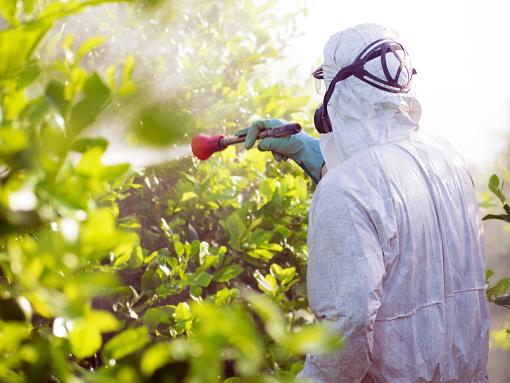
(203, 146)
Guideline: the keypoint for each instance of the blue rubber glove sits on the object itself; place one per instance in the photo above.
(302, 148)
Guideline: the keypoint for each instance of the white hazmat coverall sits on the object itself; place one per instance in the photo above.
(396, 263)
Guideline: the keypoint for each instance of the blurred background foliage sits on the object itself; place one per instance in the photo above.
(185, 271)
(498, 289)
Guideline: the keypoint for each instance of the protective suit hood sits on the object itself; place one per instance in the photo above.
(362, 115)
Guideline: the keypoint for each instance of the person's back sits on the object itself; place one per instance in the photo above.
(434, 311)
(431, 321)
(434, 291)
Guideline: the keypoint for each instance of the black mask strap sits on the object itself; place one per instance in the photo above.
(380, 48)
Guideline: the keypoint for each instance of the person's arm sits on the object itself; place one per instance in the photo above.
(345, 274)
(302, 148)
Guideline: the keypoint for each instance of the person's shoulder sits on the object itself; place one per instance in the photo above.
(334, 196)
(337, 181)
(441, 145)
(352, 183)
(356, 191)
(356, 174)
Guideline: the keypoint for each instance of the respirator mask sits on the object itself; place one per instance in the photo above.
(400, 82)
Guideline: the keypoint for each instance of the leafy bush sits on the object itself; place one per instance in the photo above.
(188, 278)
(211, 236)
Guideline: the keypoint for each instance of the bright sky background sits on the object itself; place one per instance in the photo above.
(460, 49)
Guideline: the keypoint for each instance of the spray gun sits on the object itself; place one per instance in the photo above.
(203, 146)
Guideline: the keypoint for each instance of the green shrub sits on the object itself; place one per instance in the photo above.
(197, 274)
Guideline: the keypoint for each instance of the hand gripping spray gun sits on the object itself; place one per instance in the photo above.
(203, 146)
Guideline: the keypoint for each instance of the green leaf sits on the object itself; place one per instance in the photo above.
(113, 172)
(202, 279)
(103, 320)
(158, 315)
(150, 280)
(55, 94)
(85, 338)
(12, 334)
(256, 222)
(28, 6)
(272, 247)
(127, 71)
(267, 284)
(36, 112)
(270, 314)
(182, 312)
(499, 288)
(283, 275)
(8, 11)
(488, 274)
(96, 96)
(225, 295)
(195, 292)
(29, 74)
(208, 261)
(90, 163)
(493, 182)
(500, 339)
(188, 195)
(197, 247)
(284, 231)
(82, 144)
(17, 45)
(261, 236)
(12, 140)
(495, 188)
(179, 248)
(89, 45)
(126, 343)
(263, 254)
(312, 339)
(14, 103)
(94, 282)
(155, 357)
(227, 273)
(235, 227)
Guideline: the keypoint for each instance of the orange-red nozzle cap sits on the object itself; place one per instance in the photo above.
(203, 146)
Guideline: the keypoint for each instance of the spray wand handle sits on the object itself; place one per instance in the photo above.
(279, 131)
(204, 146)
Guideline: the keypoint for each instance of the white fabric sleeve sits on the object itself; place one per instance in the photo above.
(344, 280)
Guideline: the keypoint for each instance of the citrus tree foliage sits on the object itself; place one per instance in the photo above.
(498, 291)
(198, 274)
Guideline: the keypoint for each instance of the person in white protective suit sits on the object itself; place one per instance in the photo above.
(396, 263)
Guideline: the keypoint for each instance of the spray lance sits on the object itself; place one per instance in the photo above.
(203, 146)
